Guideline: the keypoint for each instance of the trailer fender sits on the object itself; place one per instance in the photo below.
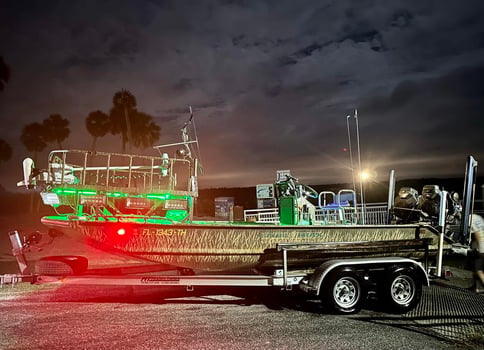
(316, 280)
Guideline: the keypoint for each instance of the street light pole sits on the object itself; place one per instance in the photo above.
(359, 166)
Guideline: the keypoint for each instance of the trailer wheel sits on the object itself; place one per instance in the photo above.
(61, 265)
(344, 292)
(402, 290)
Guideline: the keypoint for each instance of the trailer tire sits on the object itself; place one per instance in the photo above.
(402, 290)
(61, 265)
(344, 292)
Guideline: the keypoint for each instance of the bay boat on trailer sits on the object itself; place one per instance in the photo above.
(143, 207)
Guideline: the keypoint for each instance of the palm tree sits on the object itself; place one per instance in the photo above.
(124, 107)
(33, 138)
(4, 73)
(97, 124)
(56, 129)
(5, 151)
(144, 131)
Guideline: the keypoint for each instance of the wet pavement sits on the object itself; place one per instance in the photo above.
(122, 317)
(68, 317)
(110, 317)
(447, 312)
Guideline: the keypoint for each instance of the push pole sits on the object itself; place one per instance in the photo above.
(359, 165)
(391, 195)
(442, 216)
(351, 152)
(468, 201)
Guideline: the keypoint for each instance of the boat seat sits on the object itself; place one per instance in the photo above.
(338, 208)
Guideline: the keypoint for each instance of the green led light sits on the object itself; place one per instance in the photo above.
(87, 192)
(176, 215)
(116, 194)
(58, 217)
(106, 212)
(158, 196)
(65, 190)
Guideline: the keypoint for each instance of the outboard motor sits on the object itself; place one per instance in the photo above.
(405, 205)
(429, 201)
(407, 198)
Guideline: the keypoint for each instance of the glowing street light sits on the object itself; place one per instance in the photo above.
(365, 175)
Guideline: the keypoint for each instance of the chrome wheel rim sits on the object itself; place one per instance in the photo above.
(346, 292)
(402, 290)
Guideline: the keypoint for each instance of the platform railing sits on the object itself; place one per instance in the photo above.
(133, 173)
(375, 214)
(269, 215)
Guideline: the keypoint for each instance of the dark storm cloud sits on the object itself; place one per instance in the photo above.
(455, 117)
(429, 119)
(270, 82)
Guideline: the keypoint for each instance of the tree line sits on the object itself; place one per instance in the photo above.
(135, 128)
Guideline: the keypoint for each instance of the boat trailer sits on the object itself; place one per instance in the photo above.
(342, 284)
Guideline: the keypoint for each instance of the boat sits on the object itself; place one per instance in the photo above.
(143, 207)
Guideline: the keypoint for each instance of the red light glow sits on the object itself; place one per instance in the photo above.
(121, 231)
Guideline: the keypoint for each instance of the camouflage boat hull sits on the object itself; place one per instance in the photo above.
(223, 247)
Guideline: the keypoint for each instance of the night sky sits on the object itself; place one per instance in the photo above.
(270, 82)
